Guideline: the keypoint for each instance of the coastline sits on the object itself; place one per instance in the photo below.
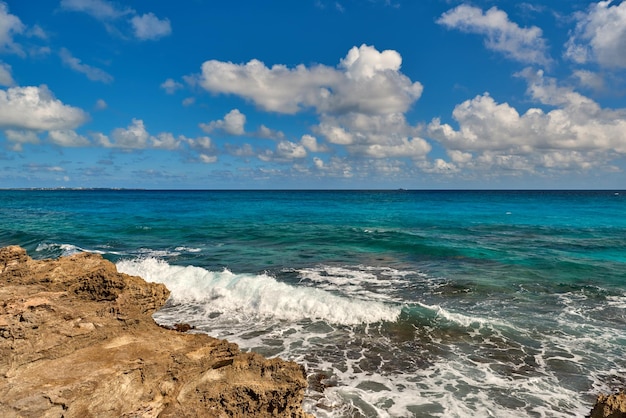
(77, 339)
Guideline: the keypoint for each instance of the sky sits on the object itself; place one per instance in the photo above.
(313, 94)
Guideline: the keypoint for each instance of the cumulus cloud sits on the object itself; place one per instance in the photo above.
(36, 108)
(600, 35)
(233, 123)
(576, 134)
(290, 150)
(92, 73)
(135, 136)
(67, 138)
(208, 159)
(10, 25)
(150, 27)
(171, 86)
(360, 103)
(6, 79)
(268, 133)
(204, 147)
(244, 150)
(202, 143)
(526, 45)
(166, 140)
(310, 143)
(377, 136)
(366, 81)
(21, 137)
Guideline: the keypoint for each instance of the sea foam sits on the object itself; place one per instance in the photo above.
(256, 295)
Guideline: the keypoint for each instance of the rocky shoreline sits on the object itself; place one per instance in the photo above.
(77, 340)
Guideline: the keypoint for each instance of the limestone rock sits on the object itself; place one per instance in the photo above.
(77, 340)
(610, 406)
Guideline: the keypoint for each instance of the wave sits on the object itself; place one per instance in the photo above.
(250, 295)
(54, 250)
(63, 249)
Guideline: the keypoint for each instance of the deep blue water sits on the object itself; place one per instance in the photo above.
(402, 303)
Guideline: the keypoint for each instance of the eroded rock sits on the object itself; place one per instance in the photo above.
(610, 406)
(77, 340)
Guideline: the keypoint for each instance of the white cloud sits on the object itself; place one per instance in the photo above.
(150, 27)
(576, 134)
(6, 79)
(208, 159)
(366, 81)
(404, 147)
(268, 133)
(244, 150)
(137, 137)
(600, 35)
(360, 103)
(44, 167)
(36, 108)
(589, 79)
(134, 136)
(67, 138)
(101, 139)
(335, 167)
(19, 138)
(166, 140)
(99, 9)
(233, 123)
(277, 89)
(171, 86)
(144, 27)
(188, 101)
(202, 143)
(378, 136)
(310, 142)
(438, 166)
(101, 104)
(335, 134)
(92, 73)
(37, 32)
(290, 150)
(526, 45)
(10, 25)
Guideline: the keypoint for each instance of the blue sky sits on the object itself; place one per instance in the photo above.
(313, 94)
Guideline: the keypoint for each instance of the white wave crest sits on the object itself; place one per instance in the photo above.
(256, 295)
(65, 249)
(466, 321)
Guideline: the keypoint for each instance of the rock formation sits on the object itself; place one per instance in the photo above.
(610, 406)
(77, 340)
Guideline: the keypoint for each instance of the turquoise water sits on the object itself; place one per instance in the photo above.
(399, 303)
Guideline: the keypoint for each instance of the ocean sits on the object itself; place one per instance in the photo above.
(398, 303)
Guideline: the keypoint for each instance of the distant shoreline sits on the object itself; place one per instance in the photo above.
(300, 190)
